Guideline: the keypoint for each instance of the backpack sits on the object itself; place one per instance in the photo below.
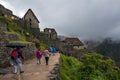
(51, 49)
(14, 54)
(39, 54)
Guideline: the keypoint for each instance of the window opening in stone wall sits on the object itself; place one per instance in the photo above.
(30, 21)
(2, 14)
(30, 24)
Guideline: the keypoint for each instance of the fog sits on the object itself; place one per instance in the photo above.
(86, 19)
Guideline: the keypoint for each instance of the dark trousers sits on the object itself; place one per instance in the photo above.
(46, 59)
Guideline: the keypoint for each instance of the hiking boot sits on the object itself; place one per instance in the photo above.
(21, 71)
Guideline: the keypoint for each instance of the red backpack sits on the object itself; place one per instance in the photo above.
(14, 54)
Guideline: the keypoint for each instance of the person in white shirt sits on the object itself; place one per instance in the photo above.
(46, 55)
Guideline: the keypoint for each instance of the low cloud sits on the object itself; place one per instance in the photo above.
(86, 19)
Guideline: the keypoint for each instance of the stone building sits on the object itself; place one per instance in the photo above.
(74, 43)
(31, 23)
(7, 13)
(49, 36)
(52, 34)
(31, 19)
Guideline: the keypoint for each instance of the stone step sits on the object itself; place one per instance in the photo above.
(5, 71)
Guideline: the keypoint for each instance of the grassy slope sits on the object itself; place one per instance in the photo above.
(13, 28)
(92, 67)
(68, 68)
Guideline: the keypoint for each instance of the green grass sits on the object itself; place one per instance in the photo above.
(13, 28)
(92, 67)
(24, 42)
(68, 68)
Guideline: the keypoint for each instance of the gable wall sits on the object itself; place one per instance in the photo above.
(34, 23)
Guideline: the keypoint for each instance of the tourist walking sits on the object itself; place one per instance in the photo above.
(52, 50)
(46, 55)
(16, 56)
(39, 56)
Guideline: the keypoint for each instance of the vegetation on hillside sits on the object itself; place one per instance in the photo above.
(13, 28)
(68, 68)
(91, 67)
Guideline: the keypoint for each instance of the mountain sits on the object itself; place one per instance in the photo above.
(61, 37)
(90, 44)
(110, 48)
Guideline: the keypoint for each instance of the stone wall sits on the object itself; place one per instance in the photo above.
(5, 12)
(24, 24)
(14, 37)
(20, 22)
(55, 72)
(34, 31)
(28, 51)
(3, 42)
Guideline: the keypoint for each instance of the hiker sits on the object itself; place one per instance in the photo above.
(39, 56)
(16, 56)
(52, 50)
(46, 55)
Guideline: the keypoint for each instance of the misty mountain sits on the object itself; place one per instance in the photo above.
(61, 37)
(90, 44)
(109, 48)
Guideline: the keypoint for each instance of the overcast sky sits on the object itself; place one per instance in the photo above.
(86, 19)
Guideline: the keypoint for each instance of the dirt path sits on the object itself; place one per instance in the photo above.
(34, 71)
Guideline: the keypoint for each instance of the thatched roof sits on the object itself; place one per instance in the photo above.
(73, 41)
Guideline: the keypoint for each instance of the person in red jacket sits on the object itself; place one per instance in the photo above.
(17, 61)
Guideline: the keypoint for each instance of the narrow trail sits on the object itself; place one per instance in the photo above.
(34, 71)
